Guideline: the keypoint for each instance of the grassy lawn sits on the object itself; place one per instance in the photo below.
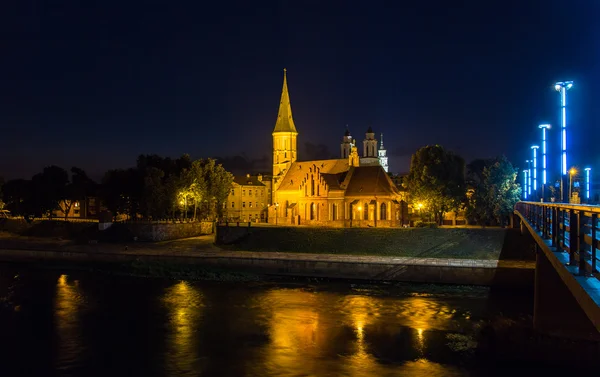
(413, 242)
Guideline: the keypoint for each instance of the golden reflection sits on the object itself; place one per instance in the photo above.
(184, 304)
(67, 305)
(363, 312)
(294, 330)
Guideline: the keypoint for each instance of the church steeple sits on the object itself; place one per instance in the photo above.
(284, 135)
(383, 160)
(285, 122)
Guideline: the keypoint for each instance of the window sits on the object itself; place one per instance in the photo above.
(232, 192)
(243, 192)
(312, 211)
(334, 212)
(232, 204)
(366, 209)
(250, 204)
(249, 192)
(243, 204)
(256, 204)
(383, 212)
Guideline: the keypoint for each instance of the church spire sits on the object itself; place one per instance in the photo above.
(285, 122)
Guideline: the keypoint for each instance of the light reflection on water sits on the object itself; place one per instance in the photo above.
(239, 330)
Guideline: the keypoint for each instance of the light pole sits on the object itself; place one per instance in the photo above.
(528, 177)
(534, 148)
(276, 212)
(562, 88)
(524, 183)
(572, 172)
(587, 184)
(544, 128)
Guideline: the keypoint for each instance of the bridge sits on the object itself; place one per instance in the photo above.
(567, 281)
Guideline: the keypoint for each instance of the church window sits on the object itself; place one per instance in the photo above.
(312, 186)
(383, 212)
(334, 212)
(318, 191)
(284, 154)
(366, 211)
(312, 211)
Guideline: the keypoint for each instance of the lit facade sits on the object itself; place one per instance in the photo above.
(351, 191)
(248, 199)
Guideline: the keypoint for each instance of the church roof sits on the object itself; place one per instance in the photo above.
(285, 122)
(300, 169)
(369, 181)
(370, 130)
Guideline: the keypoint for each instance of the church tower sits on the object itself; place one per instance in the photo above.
(369, 157)
(284, 136)
(383, 160)
(370, 144)
(346, 146)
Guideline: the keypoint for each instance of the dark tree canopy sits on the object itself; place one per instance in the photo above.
(437, 180)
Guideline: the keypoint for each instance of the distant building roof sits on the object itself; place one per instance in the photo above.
(245, 180)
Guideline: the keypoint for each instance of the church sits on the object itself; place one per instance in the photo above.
(352, 191)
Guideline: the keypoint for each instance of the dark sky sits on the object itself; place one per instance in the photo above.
(95, 83)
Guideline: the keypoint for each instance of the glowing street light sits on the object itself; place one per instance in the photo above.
(544, 128)
(562, 88)
(524, 183)
(535, 148)
(572, 172)
(587, 183)
(528, 177)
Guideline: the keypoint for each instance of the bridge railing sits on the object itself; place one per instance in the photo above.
(573, 229)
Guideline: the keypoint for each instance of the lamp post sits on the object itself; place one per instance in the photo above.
(587, 184)
(524, 183)
(535, 148)
(544, 128)
(276, 212)
(562, 88)
(572, 172)
(528, 177)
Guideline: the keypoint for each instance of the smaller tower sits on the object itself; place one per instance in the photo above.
(346, 146)
(370, 144)
(353, 159)
(369, 157)
(383, 160)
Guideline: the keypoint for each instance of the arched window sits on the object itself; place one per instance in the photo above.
(334, 211)
(366, 209)
(318, 190)
(383, 212)
(312, 211)
(287, 204)
(312, 186)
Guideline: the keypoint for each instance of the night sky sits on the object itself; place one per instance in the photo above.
(96, 83)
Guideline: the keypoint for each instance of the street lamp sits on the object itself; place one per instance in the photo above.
(572, 172)
(524, 183)
(544, 128)
(535, 148)
(587, 183)
(562, 88)
(276, 212)
(528, 177)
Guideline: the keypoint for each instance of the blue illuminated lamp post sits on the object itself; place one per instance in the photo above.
(544, 128)
(524, 183)
(528, 177)
(535, 148)
(587, 183)
(562, 88)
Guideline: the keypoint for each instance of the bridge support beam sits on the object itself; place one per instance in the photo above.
(556, 312)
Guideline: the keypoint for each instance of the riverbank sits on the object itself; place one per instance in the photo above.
(193, 256)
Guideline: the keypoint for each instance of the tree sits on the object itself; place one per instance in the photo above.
(49, 189)
(437, 179)
(495, 190)
(17, 195)
(153, 203)
(218, 185)
(121, 191)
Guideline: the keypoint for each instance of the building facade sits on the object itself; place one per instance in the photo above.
(249, 199)
(351, 191)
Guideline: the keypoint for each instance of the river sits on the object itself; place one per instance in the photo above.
(73, 323)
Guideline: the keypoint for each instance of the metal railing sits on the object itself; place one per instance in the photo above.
(573, 229)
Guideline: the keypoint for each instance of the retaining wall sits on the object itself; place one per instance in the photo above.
(164, 232)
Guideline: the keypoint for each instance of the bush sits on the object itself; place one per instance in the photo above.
(425, 224)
